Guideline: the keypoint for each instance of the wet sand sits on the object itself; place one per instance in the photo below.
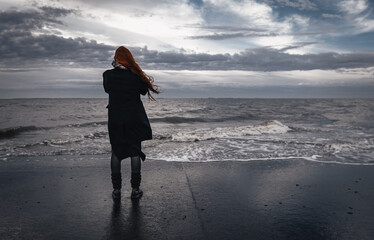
(69, 197)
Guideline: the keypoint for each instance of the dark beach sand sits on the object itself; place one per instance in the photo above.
(70, 198)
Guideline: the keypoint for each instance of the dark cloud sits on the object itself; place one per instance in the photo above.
(20, 21)
(233, 28)
(227, 28)
(231, 32)
(299, 4)
(256, 59)
(298, 45)
(229, 35)
(228, 32)
(28, 37)
(223, 36)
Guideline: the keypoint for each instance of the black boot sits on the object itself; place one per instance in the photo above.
(116, 180)
(135, 183)
(117, 184)
(136, 178)
(136, 193)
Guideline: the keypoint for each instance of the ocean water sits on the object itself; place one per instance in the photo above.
(198, 130)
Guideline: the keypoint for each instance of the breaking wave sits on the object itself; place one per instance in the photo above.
(269, 127)
(11, 132)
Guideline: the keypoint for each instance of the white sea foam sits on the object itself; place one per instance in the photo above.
(269, 127)
(362, 145)
(62, 141)
(339, 147)
(313, 158)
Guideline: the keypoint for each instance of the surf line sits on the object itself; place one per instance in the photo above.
(312, 159)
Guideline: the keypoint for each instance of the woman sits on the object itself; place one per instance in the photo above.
(128, 123)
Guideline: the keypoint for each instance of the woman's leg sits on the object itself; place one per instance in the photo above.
(135, 164)
(135, 172)
(115, 165)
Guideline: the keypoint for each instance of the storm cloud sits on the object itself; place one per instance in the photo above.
(30, 38)
(221, 32)
(255, 59)
(300, 4)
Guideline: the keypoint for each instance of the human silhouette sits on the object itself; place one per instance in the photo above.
(128, 123)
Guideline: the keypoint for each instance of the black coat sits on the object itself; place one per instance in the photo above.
(127, 120)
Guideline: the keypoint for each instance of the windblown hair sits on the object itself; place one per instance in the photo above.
(124, 57)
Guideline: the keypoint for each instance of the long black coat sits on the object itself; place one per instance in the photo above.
(127, 120)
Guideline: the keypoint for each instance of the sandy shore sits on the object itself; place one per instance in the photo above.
(69, 197)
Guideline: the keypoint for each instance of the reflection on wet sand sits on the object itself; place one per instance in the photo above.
(125, 224)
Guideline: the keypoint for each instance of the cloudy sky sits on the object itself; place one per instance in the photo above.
(196, 48)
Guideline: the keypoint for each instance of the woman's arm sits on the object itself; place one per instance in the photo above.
(105, 83)
(143, 88)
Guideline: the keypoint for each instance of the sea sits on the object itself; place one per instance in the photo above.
(337, 131)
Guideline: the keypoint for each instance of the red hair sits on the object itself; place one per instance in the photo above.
(124, 57)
